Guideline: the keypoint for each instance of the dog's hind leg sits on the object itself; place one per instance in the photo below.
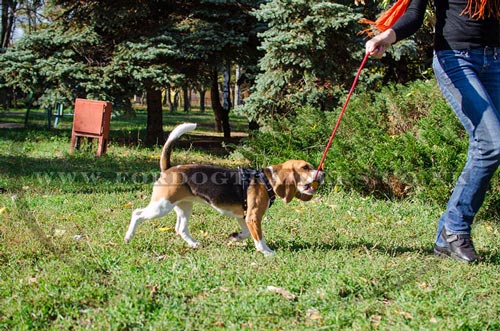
(155, 209)
(243, 234)
(183, 210)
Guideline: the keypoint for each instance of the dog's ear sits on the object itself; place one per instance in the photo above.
(285, 183)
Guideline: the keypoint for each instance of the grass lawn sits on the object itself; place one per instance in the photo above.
(343, 262)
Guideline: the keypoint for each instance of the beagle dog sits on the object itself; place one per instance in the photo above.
(241, 193)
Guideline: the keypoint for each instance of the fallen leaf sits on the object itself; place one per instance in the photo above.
(333, 207)
(219, 324)
(385, 301)
(375, 319)
(166, 228)
(237, 243)
(313, 314)
(128, 204)
(59, 232)
(286, 294)
(2, 210)
(247, 325)
(424, 286)
(321, 293)
(153, 289)
(406, 314)
(487, 226)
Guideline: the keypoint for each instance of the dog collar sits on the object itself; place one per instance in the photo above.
(246, 176)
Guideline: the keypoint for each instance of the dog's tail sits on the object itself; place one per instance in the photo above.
(172, 137)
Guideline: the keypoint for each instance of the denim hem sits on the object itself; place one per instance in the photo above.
(448, 233)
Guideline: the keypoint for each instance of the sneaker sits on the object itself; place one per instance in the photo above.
(460, 247)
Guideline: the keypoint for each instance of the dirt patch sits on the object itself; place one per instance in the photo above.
(11, 125)
(206, 141)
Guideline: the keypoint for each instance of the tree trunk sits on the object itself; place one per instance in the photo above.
(227, 102)
(7, 22)
(168, 99)
(185, 95)
(221, 114)
(175, 102)
(202, 100)
(237, 95)
(216, 105)
(226, 90)
(154, 128)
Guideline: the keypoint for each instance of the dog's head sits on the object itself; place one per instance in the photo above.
(295, 178)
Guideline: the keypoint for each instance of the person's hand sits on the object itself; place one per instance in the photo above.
(380, 43)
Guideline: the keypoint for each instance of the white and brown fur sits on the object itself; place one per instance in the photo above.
(180, 186)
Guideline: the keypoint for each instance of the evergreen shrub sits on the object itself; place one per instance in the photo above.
(401, 142)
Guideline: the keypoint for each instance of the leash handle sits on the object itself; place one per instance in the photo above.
(320, 166)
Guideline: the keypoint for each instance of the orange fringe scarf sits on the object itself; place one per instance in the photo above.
(476, 9)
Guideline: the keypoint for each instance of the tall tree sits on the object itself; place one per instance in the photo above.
(107, 49)
(311, 49)
(221, 32)
(8, 10)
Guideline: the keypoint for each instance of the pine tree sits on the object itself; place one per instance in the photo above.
(311, 49)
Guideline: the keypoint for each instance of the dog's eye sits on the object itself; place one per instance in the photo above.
(306, 167)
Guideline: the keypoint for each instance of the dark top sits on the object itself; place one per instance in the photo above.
(453, 31)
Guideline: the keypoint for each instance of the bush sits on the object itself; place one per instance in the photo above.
(292, 137)
(403, 142)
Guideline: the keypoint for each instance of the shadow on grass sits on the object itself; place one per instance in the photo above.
(357, 245)
(76, 174)
(486, 257)
(133, 136)
(82, 172)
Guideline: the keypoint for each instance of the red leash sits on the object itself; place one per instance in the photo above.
(340, 115)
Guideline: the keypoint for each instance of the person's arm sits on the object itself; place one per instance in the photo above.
(411, 20)
(404, 27)
(380, 43)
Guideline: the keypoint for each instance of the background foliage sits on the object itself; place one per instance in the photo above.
(401, 142)
(396, 140)
(310, 48)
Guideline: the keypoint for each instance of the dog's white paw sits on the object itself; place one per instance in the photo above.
(195, 245)
(127, 238)
(238, 236)
(268, 253)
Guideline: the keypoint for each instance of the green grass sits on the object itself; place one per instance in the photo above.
(352, 262)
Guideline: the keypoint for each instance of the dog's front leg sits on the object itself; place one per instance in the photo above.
(254, 225)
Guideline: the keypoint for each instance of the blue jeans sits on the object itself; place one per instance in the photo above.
(470, 82)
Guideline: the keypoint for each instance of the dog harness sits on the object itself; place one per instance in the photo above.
(246, 176)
